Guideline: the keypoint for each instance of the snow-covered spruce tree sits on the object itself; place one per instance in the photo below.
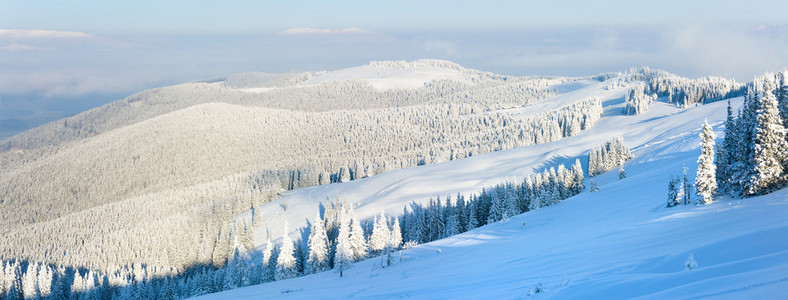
(621, 173)
(358, 243)
(497, 207)
(452, 225)
(29, 281)
(269, 262)
(673, 191)
(286, 262)
(473, 221)
(237, 270)
(380, 235)
(14, 282)
(344, 254)
(577, 181)
(318, 248)
(705, 179)
(781, 92)
(743, 167)
(396, 235)
(725, 154)
(770, 144)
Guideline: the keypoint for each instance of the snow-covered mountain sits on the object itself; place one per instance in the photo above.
(619, 242)
(165, 183)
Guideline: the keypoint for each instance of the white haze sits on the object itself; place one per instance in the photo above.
(38, 68)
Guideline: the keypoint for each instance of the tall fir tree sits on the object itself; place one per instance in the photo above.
(705, 179)
(770, 146)
(473, 221)
(577, 181)
(358, 243)
(286, 262)
(724, 159)
(673, 191)
(269, 262)
(344, 254)
(318, 248)
(380, 235)
(782, 95)
(396, 235)
(29, 281)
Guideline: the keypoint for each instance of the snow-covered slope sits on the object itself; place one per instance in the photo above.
(392, 190)
(388, 75)
(620, 242)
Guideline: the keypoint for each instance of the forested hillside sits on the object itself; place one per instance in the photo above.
(173, 181)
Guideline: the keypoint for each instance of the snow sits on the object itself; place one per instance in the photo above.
(412, 77)
(619, 242)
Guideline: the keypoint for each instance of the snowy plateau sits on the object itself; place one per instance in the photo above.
(166, 157)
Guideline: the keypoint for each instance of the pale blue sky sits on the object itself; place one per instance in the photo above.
(196, 17)
(92, 52)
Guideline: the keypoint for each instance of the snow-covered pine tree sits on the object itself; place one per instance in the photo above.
(472, 219)
(724, 157)
(770, 144)
(782, 95)
(318, 248)
(538, 186)
(673, 191)
(29, 281)
(497, 207)
(510, 200)
(286, 263)
(577, 178)
(621, 173)
(344, 254)
(396, 235)
(705, 179)
(78, 284)
(357, 242)
(14, 282)
(452, 225)
(435, 221)
(269, 262)
(237, 270)
(380, 235)
(743, 167)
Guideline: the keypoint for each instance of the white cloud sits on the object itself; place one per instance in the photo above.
(315, 31)
(18, 47)
(22, 34)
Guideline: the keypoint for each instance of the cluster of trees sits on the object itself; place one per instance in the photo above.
(679, 190)
(753, 157)
(607, 156)
(686, 92)
(436, 220)
(335, 241)
(105, 190)
(638, 100)
(679, 90)
(180, 232)
(156, 179)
